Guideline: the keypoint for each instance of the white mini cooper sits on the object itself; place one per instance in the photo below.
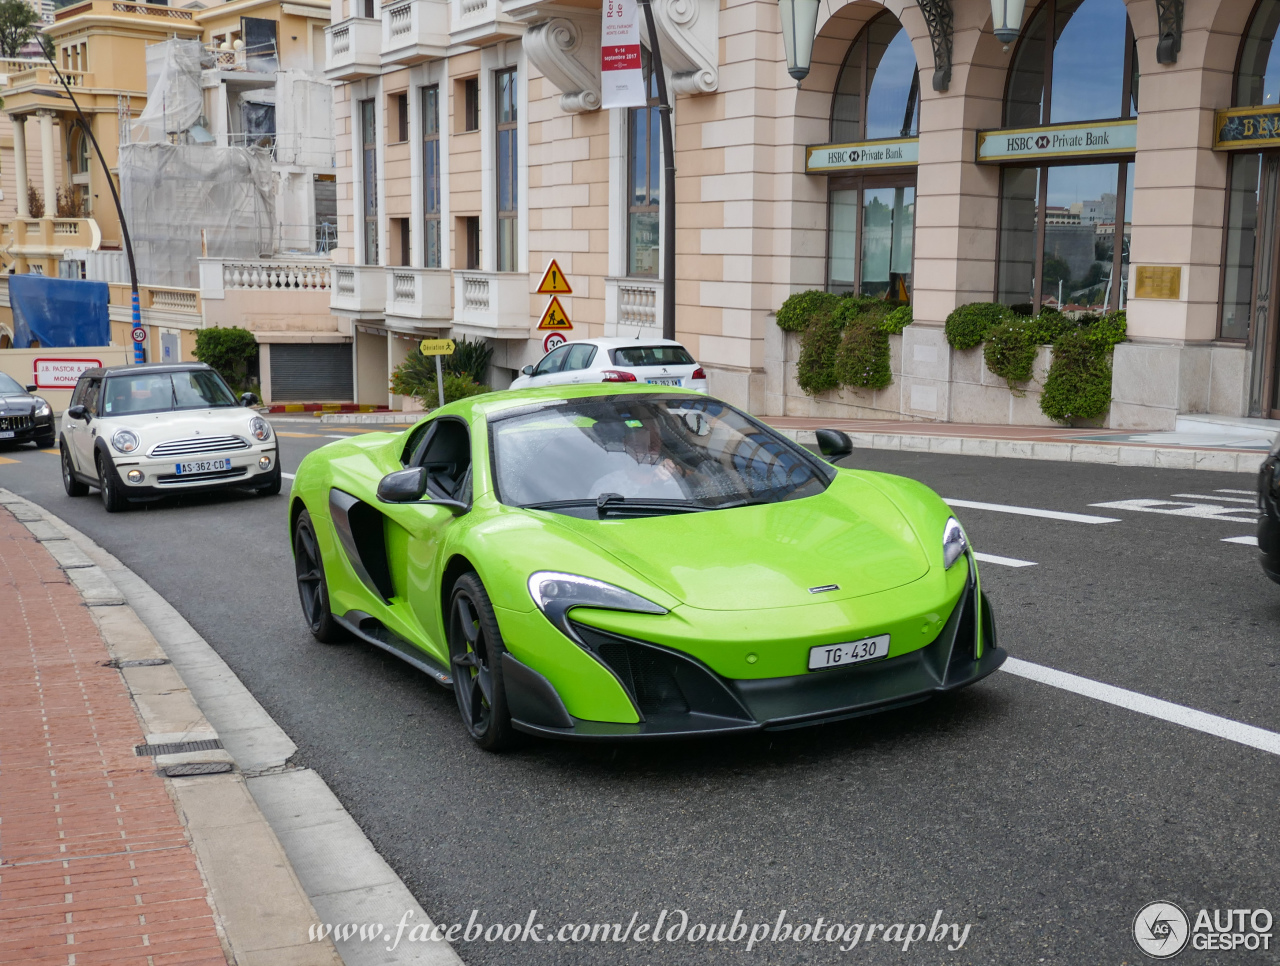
(153, 429)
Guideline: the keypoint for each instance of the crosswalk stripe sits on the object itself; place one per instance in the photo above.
(992, 558)
(1032, 512)
(1247, 541)
(1219, 499)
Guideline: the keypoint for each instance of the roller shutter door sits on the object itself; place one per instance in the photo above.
(311, 372)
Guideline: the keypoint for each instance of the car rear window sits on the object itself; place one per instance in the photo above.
(652, 355)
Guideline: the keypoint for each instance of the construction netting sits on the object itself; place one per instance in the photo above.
(185, 201)
(175, 100)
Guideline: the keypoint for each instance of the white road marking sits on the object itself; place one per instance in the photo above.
(1220, 499)
(287, 476)
(1247, 541)
(1241, 492)
(1031, 512)
(1174, 508)
(991, 558)
(1210, 724)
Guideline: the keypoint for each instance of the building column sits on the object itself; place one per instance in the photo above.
(20, 164)
(48, 158)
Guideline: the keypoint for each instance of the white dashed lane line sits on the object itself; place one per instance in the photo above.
(1219, 498)
(287, 476)
(1247, 541)
(992, 558)
(1239, 492)
(1202, 721)
(1032, 512)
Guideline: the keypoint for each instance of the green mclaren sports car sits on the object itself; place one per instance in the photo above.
(618, 562)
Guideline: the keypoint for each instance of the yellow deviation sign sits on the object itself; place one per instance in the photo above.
(436, 347)
(553, 281)
(554, 317)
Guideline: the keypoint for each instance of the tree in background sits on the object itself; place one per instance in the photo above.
(231, 351)
(18, 24)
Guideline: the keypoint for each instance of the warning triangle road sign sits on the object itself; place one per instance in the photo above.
(554, 317)
(553, 281)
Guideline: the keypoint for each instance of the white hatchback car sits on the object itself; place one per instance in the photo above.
(660, 362)
(153, 429)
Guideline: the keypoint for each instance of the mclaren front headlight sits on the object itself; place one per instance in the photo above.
(260, 429)
(954, 543)
(556, 594)
(125, 440)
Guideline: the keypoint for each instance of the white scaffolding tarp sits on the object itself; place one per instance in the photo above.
(183, 201)
(175, 100)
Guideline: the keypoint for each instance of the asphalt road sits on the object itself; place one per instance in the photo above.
(1043, 818)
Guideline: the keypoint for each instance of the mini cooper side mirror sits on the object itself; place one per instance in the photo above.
(527, 370)
(78, 412)
(833, 444)
(403, 486)
(248, 399)
(32, 388)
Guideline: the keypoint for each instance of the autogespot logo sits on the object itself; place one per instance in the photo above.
(1161, 930)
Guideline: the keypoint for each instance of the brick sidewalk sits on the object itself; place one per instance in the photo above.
(95, 866)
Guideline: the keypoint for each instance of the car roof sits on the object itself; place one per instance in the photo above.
(617, 342)
(146, 367)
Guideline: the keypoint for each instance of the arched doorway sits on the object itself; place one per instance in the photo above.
(1067, 156)
(1251, 132)
(870, 163)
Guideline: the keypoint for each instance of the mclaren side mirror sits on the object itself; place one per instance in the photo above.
(833, 444)
(32, 389)
(78, 412)
(248, 399)
(527, 370)
(403, 486)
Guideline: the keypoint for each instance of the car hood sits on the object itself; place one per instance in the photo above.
(769, 556)
(14, 403)
(158, 427)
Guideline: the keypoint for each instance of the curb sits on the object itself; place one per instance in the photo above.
(372, 418)
(278, 850)
(322, 408)
(1168, 458)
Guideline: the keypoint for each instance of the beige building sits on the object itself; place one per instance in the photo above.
(920, 154)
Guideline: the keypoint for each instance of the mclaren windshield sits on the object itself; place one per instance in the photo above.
(635, 455)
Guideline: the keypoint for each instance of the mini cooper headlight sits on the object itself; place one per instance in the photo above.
(125, 440)
(556, 594)
(954, 543)
(259, 428)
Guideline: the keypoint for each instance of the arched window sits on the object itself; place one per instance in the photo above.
(882, 63)
(872, 216)
(1065, 223)
(79, 152)
(1258, 78)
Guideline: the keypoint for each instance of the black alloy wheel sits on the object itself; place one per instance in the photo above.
(475, 659)
(113, 501)
(70, 482)
(313, 591)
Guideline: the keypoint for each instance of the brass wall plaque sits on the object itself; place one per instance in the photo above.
(1157, 281)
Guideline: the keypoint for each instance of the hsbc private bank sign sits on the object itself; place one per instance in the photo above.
(1035, 144)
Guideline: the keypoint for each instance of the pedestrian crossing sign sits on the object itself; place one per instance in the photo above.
(555, 317)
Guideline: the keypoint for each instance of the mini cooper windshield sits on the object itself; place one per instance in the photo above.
(158, 392)
(636, 455)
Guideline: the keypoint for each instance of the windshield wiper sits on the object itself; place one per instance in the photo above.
(615, 503)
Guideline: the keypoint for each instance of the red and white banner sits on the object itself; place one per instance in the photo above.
(61, 373)
(621, 74)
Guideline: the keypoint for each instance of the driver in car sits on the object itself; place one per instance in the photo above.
(648, 472)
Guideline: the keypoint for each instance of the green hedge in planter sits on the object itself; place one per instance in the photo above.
(897, 320)
(1079, 381)
(1010, 352)
(968, 325)
(844, 339)
(804, 307)
(862, 360)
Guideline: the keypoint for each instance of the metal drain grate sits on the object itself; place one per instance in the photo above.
(197, 768)
(140, 662)
(177, 748)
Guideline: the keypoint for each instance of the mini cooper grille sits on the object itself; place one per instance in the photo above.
(198, 444)
(15, 422)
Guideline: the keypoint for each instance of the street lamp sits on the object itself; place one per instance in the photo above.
(1006, 19)
(799, 25)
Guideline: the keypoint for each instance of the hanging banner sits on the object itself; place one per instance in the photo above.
(621, 74)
